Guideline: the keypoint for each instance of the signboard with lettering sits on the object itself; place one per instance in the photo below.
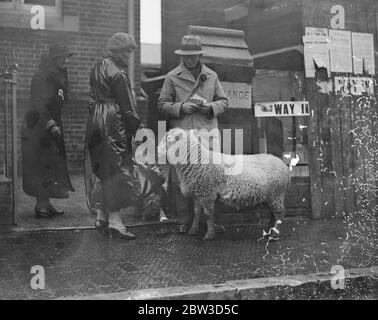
(239, 94)
(282, 109)
(354, 85)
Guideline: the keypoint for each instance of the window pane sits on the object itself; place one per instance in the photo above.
(41, 2)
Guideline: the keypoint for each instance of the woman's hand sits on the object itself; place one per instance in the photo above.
(55, 131)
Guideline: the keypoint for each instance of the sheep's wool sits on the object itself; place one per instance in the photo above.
(240, 181)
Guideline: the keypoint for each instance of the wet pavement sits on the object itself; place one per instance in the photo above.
(77, 214)
(86, 263)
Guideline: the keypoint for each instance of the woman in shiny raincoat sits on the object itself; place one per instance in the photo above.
(45, 173)
(111, 125)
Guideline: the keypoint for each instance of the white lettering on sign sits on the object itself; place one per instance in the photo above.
(355, 86)
(238, 94)
(338, 20)
(282, 109)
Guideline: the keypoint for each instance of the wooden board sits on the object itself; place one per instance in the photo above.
(348, 159)
(337, 155)
(325, 155)
(314, 151)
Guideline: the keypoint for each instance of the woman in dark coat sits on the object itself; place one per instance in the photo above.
(45, 173)
(111, 125)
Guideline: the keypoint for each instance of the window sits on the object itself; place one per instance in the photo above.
(150, 16)
(18, 14)
(52, 7)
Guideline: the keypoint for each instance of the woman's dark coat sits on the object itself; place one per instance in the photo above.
(45, 172)
(112, 123)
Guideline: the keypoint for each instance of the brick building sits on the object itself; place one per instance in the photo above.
(85, 27)
(334, 174)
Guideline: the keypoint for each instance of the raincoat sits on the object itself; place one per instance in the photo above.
(44, 164)
(179, 86)
(111, 125)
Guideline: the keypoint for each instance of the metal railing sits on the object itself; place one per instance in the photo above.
(9, 76)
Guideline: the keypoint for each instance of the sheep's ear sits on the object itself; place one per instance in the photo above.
(170, 138)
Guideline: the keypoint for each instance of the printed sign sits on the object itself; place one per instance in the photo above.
(354, 85)
(282, 109)
(341, 51)
(363, 53)
(316, 53)
(311, 31)
(239, 95)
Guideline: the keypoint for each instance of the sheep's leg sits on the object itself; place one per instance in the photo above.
(272, 220)
(197, 213)
(209, 213)
(277, 212)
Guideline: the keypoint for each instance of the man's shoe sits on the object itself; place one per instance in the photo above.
(122, 234)
(219, 229)
(183, 228)
(43, 213)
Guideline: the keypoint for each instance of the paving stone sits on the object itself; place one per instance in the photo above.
(86, 263)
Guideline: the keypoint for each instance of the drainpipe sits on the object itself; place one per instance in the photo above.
(131, 30)
(13, 83)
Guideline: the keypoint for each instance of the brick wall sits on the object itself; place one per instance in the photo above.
(97, 21)
(5, 205)
(178, 15)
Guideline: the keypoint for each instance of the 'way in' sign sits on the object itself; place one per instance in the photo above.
(282, 109)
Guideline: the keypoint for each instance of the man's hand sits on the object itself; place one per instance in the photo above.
(189, 108)
(205, 108)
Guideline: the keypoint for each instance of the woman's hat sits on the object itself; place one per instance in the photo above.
(121, 41)
(59, 50)
(190, 45)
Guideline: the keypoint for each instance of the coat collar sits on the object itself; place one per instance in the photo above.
(183, 73)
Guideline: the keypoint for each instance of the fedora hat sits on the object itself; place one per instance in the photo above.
(190, 45)
(59, 50)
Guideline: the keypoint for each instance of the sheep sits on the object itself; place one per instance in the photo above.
(262, 179)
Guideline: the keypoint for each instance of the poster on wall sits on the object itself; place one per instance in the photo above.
(316, 50)
(355, 86)
(341, 51)
(363, 53)
(282, 109)
(319, 32)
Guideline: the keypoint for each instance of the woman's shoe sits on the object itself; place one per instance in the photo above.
(102, 227)
(51, 208)
(122, 234)
(43, 213)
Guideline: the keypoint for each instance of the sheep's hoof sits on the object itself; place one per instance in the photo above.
(209, 237)
(193, 231)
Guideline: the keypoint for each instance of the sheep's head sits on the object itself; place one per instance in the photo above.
(166, 148)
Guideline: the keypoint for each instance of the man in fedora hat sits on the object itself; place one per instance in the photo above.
(191, 98)
(45, 173)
